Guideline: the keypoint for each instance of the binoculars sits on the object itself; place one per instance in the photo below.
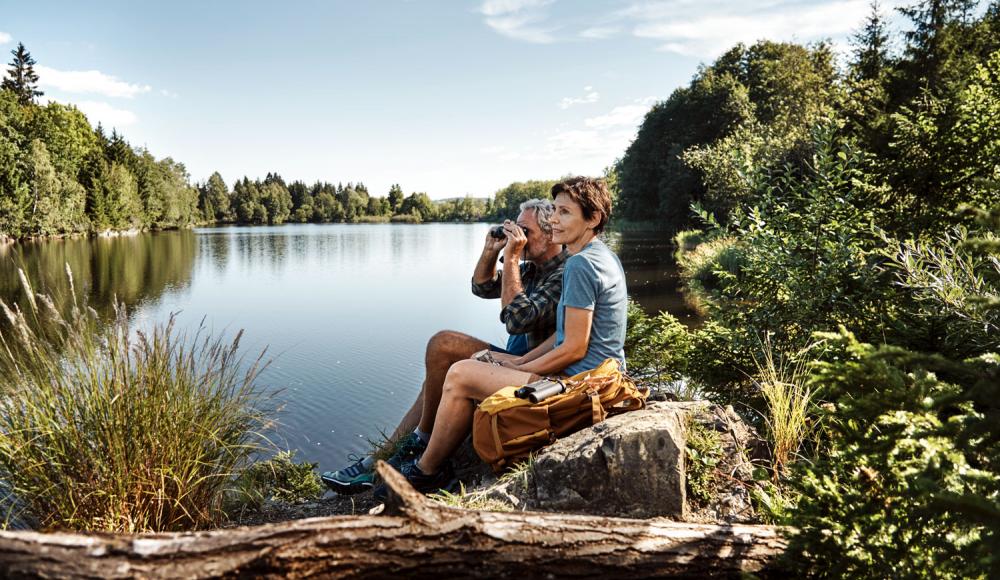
(540, 390)
(498, 233)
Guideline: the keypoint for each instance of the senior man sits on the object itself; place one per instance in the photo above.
(528, 287)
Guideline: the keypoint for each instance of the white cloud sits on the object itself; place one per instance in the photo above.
(622, 116)
(500, 153)
(88, 81)
(5, 38)
(519, 19)
(706, 29)
(699, 28)
(600, 32)
(502, 7)
(589, 96)
(597, 143)
(106, 114)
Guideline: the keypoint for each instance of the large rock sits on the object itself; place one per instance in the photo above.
(633, 465)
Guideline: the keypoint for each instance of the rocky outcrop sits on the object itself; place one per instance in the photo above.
(637, 465)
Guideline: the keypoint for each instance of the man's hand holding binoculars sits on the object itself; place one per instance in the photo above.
(516, 240)
(507, 236)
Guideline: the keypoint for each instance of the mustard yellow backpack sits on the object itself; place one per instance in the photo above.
(506, 429)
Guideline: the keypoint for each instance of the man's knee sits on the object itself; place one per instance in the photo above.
(453, 346)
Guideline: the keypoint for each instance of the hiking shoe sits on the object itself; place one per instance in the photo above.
(408, 449)
(442, 480)
(354, 478)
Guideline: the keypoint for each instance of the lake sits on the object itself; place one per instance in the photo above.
(344, 310)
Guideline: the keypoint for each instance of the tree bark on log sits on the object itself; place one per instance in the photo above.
(413, 538)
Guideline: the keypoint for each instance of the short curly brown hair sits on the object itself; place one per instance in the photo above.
(591, 194)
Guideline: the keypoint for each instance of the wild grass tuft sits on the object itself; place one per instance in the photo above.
(105, 429)
(487, 499)
(788, 402)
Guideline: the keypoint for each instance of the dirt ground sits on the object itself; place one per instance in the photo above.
(330, 504)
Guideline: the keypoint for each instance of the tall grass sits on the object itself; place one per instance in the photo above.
(106, 429)
(788, 401)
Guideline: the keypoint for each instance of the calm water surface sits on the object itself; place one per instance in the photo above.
(344, 310)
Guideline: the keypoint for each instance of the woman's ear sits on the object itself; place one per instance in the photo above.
(594, 220)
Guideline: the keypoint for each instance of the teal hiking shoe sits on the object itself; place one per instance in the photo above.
(408, 449)
(355, 478)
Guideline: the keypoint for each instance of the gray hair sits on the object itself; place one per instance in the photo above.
(543, 209)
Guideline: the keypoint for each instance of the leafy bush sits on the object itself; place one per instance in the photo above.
(950, 287)
(279, 478)
(702, 454)
(871, 505)
(656, 347)
(721, 368)
(707, 268)
(105, 429)
(811, 256)
(687, 241)
(910, 484)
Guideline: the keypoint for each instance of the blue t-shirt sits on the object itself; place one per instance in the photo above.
(594, 280)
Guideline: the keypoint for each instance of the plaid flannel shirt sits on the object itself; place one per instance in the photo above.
(532, 312)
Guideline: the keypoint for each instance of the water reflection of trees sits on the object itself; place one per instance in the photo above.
(131, 268)
(651, 272)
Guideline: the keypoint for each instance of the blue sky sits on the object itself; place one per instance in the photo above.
(447, 97)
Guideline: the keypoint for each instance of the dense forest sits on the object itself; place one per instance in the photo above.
(902, 103)
(838, 227)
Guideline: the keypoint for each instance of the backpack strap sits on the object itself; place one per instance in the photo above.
(496, 439)
(597, 412)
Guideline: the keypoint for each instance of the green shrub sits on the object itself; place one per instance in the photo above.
(656, 348)
(687, 241)
(407, 218)
(702, 454)
(721, 368)
(870, 505)
(909, 481)
(279, 478)
(107, 429)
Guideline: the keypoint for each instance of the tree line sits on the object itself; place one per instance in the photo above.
(273, 201)
(59, 175)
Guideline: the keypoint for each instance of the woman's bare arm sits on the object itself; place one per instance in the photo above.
(574, 347)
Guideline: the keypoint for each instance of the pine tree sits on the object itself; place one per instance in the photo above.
(22, 79)
(395, 197)
(936, 41)
(870, 46)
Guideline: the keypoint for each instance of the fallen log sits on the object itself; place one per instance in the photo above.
(413, 538)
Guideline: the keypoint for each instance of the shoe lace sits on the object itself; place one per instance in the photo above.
(355, 458)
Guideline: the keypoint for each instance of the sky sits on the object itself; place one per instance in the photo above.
(447, 97)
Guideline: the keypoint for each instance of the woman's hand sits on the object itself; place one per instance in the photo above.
(511, 363)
